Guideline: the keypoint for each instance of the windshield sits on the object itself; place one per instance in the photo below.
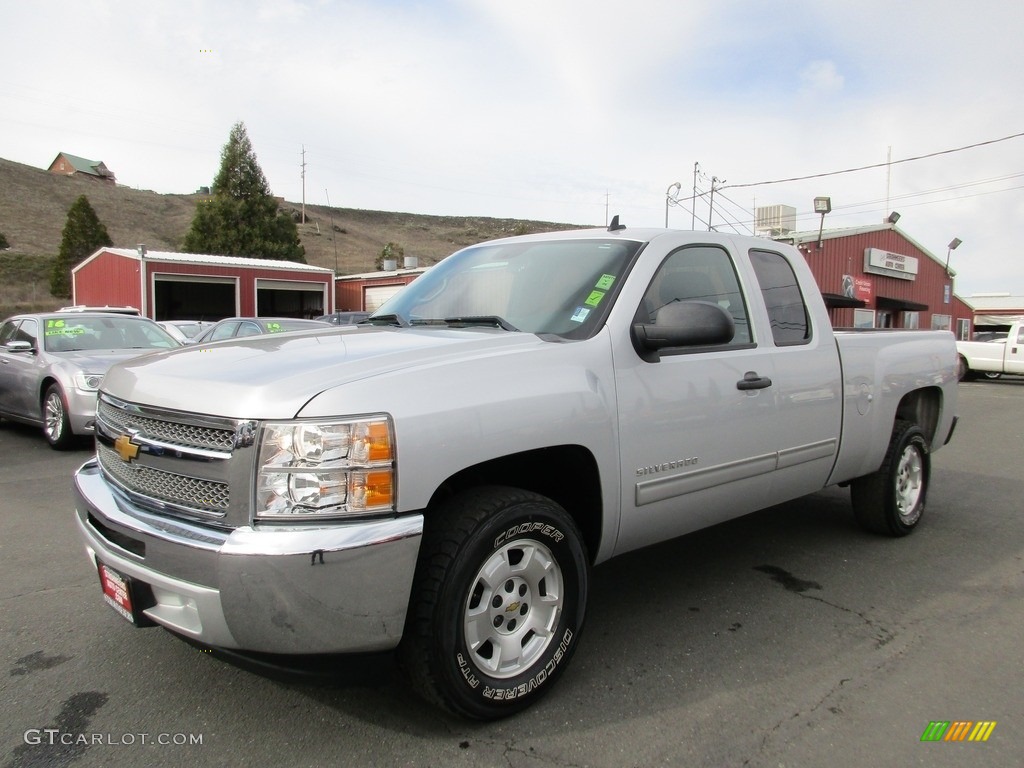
(559, 287)
(75, 333)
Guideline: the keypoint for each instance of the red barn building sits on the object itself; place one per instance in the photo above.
(878, 277)
(186, 286)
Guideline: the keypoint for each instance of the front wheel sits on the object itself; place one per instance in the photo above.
(56, 423)
(498, 602)
(891, 500)
(992, 375)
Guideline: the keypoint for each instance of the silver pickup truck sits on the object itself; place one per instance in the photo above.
(442, 479)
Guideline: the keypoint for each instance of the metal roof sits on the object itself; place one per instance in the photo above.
(829, 234)
(994, 302)
(210, 259)
(82, 165)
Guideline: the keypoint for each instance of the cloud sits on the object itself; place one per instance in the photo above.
(821, 78)
(545, 110)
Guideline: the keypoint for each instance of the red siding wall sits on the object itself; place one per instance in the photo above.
(246, 276)
(841, 256)
(113, 280)
(108, 280)
(349, 293)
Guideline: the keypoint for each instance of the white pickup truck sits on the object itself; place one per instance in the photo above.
(993, 358)
(442, 479)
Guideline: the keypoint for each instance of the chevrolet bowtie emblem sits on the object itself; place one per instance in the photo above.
(125, 448)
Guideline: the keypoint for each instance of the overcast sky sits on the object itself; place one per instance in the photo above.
(556, 110)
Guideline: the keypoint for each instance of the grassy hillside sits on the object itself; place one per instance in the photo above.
(34, 205)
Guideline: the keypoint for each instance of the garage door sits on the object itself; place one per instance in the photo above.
(290, 298)
(377, 295)
(194, 297)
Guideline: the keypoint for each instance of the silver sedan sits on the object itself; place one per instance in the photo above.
(52, 364)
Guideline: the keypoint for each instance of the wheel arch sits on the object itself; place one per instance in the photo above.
(44, 385)
(566, 474)
(922, 407)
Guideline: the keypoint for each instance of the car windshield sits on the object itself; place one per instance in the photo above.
(559, 287)
(76, 333)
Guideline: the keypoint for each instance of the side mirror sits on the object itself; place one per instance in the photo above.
(18, 346)
(684, 324)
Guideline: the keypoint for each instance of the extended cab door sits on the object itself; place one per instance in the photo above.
(712, 432)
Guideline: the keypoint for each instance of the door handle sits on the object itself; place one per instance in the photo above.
(751, 380)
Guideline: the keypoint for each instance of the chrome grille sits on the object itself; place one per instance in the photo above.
(204, 496)
(172, 432)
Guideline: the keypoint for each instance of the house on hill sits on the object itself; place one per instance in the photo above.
(71, 165)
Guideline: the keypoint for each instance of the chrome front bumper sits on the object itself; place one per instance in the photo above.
(333, 589)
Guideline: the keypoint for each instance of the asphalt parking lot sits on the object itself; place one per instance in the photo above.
(786, 638)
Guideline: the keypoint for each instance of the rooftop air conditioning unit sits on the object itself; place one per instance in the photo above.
(775, 220)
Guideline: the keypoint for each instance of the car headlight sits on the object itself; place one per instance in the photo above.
(310, 470)
(88, 382)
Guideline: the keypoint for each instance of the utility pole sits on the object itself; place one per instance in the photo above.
(693, 203)
(303, 183)
(333, 231)
(711, 201)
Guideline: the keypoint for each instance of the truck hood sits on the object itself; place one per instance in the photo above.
(275, 375)
(98, 361)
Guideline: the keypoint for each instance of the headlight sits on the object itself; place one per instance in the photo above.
(88, 382)
(309, 470)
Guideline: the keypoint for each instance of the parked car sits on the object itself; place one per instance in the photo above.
(51, 365)
(237, 327)
(183, 330)
(107, 308)
(344, 318)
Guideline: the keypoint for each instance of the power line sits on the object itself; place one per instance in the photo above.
(875, 165)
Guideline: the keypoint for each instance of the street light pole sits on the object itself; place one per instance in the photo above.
(675, 185)
(953, 245)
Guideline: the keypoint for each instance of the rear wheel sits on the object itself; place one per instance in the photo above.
(56, 423)
(992, 375)
(891, 500)
(498, 602)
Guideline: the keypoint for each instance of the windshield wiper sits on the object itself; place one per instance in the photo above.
(396, 320)
(470, 320)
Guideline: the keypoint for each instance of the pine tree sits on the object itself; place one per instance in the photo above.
(242, 217)
(83, 234)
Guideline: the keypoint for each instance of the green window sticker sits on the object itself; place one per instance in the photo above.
(273, 327)
(594, 298)
(605, 282)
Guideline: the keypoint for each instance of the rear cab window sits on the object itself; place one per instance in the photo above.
(783, 299)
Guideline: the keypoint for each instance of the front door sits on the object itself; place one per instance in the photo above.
(696, 448)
